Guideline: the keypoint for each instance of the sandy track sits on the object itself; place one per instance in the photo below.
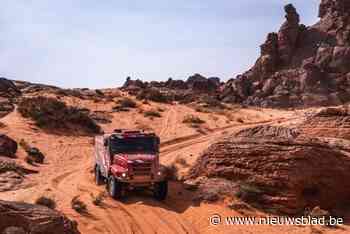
(68, 173)
(140, 214)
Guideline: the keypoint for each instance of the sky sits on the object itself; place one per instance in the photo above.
(97, 44)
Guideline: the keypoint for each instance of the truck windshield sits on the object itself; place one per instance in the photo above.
(133, 144)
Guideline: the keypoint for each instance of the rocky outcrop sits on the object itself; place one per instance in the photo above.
(288, 34)
(196, 82)
(176, 84)
(187, 91)
(8, 147)
(34, 219)
(199, 83)
(12, 175)
(6, 106)
(329, 122)
(8, 88)
(8, 93)
(300, 66)
(280, 169)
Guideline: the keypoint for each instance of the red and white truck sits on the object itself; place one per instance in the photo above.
(127, 159)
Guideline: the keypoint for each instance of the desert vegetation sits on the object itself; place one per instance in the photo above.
(98, 199)
(46, 201)
(33, 154)
(192, 119)
(127, 103)
(78, 205)
(153, 95)
(49, 113)
(152, 114)
(124, 104)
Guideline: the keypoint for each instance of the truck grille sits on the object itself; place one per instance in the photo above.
(142, 169)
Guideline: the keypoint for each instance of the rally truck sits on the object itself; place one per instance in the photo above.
(127, 160)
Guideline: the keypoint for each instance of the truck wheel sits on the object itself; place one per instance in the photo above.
(98, 177)
(114, 188)
(160, 190)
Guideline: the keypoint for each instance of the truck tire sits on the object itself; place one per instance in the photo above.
(114, 188)
(98, 176)
(160, 190)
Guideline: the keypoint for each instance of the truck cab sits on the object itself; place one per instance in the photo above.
(127, 159)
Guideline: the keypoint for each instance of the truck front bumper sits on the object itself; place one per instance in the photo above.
(140, 180)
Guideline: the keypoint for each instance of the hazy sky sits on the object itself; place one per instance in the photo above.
(96, 44)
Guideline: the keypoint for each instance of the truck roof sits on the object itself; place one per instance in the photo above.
(130, 133)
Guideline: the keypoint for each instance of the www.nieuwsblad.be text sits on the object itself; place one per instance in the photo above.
(217, 219)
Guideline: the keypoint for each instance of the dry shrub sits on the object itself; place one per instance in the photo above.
(159, 109)
(201, 109)
(192, 119)
(118, 108)
(153, 95)
(126, 103)
(182, 162)
(152, 113)
(2, 125)
(29, 160)
(46, 201)
(24, 145)
(78, 205)
(70, 92)
(98, 200)
(33, 154)
(50, 113)
(211, 102)
(240, 120)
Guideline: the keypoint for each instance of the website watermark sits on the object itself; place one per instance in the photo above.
(217, 219)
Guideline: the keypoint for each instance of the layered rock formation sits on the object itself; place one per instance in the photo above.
(12, 175)
(279, 169)
(34, 219)
(329, 122)
(299, 65)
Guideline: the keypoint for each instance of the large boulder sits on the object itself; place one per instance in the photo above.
(8, 147)
(34, 219)
(280, 169)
